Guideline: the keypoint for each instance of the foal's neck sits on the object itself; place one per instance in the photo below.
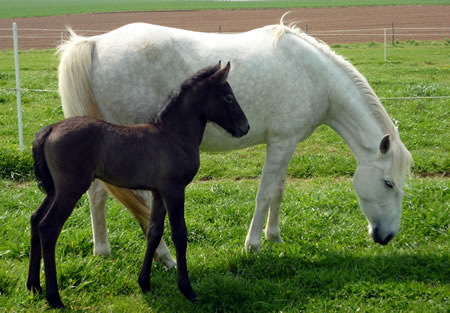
(184, 119)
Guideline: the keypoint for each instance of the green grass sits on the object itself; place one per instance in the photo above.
(327, 263)
(26, 8)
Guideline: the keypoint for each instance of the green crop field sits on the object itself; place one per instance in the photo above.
(328, 262)
(24, 8)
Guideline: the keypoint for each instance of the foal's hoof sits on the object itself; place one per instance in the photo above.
(190, 295)
(145, 285)
(56, 303)
(193, 300)
(34, 288)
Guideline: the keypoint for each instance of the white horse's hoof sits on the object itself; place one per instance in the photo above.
(252, 246)
(168, 261)
(274, 237)
(102, 250)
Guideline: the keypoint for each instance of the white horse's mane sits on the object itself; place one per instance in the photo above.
(402, 159)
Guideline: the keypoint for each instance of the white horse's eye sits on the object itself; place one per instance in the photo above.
(389, 184)
(229, 98)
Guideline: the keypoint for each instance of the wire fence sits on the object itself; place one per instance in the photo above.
(24, 90)
(38, 38)
(51, 37)
(47, 38)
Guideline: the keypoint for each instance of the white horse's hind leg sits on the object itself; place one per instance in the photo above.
(270, 193)
(97, 199)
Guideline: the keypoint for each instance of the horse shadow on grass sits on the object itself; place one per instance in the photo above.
(284, 277)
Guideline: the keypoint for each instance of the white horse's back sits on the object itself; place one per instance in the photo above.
(136, 67)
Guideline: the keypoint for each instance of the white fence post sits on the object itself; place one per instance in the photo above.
(385, 56)
(19, 99)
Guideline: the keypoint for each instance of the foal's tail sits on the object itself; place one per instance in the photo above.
(41, 171)
(74, 77)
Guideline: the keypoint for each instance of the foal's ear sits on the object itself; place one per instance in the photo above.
(220, 77)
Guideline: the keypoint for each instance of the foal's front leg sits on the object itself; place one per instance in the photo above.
(174, 203)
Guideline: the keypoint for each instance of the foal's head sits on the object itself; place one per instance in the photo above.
(221, 106)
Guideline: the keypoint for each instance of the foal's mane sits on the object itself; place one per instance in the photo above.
(188, 85)
(402, 159)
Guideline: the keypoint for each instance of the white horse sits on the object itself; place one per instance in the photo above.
(287, 83)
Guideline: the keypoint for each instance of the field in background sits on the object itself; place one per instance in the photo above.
(26, 8)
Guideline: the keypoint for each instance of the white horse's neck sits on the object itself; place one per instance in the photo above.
(355, 118)
(354, 112)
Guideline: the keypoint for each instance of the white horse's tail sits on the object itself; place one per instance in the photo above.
(135, 204)
(78, 99)
(74, 81)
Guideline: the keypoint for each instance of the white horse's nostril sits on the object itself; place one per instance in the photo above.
(382, 241)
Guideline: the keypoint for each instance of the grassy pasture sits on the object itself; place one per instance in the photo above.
(328, 262)
(26, 8)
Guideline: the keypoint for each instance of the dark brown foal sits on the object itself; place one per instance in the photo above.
(162, 157)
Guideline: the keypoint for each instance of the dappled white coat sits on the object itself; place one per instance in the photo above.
(286, 82)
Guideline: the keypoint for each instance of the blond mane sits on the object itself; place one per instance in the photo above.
(402, 159)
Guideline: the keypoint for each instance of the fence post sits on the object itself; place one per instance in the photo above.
(393, 35)
(19, 99)
(385, 45)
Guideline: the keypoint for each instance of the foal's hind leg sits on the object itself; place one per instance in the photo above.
(50, 228)
(33, 282)
(154, 235)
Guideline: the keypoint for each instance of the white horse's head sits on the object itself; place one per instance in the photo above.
(379, 185)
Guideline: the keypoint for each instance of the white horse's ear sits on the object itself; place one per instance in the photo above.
(385, 144)
(220, 77)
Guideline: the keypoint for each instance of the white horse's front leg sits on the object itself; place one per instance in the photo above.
(270, 194)
(97, 200)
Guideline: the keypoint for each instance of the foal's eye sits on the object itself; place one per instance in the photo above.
(228, 98)
(389, 184)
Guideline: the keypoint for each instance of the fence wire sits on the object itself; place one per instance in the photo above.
(58, 35)
(46, 38)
